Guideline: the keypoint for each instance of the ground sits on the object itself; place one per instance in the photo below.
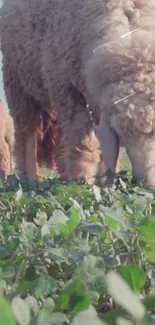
(59, 246)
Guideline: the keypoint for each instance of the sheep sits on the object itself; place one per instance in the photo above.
(49, 151)
(64, 54)
(6, 140)
(28, 94)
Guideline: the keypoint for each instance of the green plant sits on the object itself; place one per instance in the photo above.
(64, 249)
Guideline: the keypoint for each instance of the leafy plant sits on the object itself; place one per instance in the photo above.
(74, 253)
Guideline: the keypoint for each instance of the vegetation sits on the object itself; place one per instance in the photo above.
(75, 254)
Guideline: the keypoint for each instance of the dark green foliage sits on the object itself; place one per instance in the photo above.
(59, 241)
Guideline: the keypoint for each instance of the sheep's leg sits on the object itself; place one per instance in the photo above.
(26, 113)
(25, 152)
(110, 147)
(20, 150)
(31, 156)
(5, 158)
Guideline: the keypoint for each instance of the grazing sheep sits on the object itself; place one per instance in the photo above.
(65, 53)
(6, 140)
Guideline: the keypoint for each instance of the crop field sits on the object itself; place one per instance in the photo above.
(76, 254)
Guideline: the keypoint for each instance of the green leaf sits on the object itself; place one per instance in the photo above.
(113, 216)
(73, 297)
(140, 203)
(30, 273)
(45, 231)
(21, 311)
(128, 209)
(32, 304)
(150, 254)
(44, 286)
(41, 218)
(58, 318)
(56, 253)
(49, 304)
(6, 315)
(74, 218)
(79, 301)
(97, 282)
(147, 230)
(3, 253)
(88, 316)
(49, 318)
(64, 230)
(94, 228)
(94, 296)
(24, 286)
(58, 217)
(133, 275)
(111, 316)
(3, 287)
(149, 302)
(123, 184)
(19, 195)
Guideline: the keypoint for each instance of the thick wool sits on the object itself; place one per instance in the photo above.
(6, 141)
(62, 54)
(32, 86)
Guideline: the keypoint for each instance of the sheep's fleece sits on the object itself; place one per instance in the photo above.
(66, 52)
(6, 141)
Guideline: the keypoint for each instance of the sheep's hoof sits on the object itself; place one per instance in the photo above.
(106, 180)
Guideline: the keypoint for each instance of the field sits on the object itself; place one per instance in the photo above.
(75, 254)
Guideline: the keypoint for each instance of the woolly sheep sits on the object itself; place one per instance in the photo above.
(65, 53)
(23, 44)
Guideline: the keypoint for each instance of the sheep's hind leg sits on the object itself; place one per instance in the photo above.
(31, 157)
(26, 113)
(5, 158)
(25, 150)
(110, 148)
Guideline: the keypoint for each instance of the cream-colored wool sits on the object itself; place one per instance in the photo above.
(6, 141)
(62, 54)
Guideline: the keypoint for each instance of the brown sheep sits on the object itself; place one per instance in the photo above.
(6, 140)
